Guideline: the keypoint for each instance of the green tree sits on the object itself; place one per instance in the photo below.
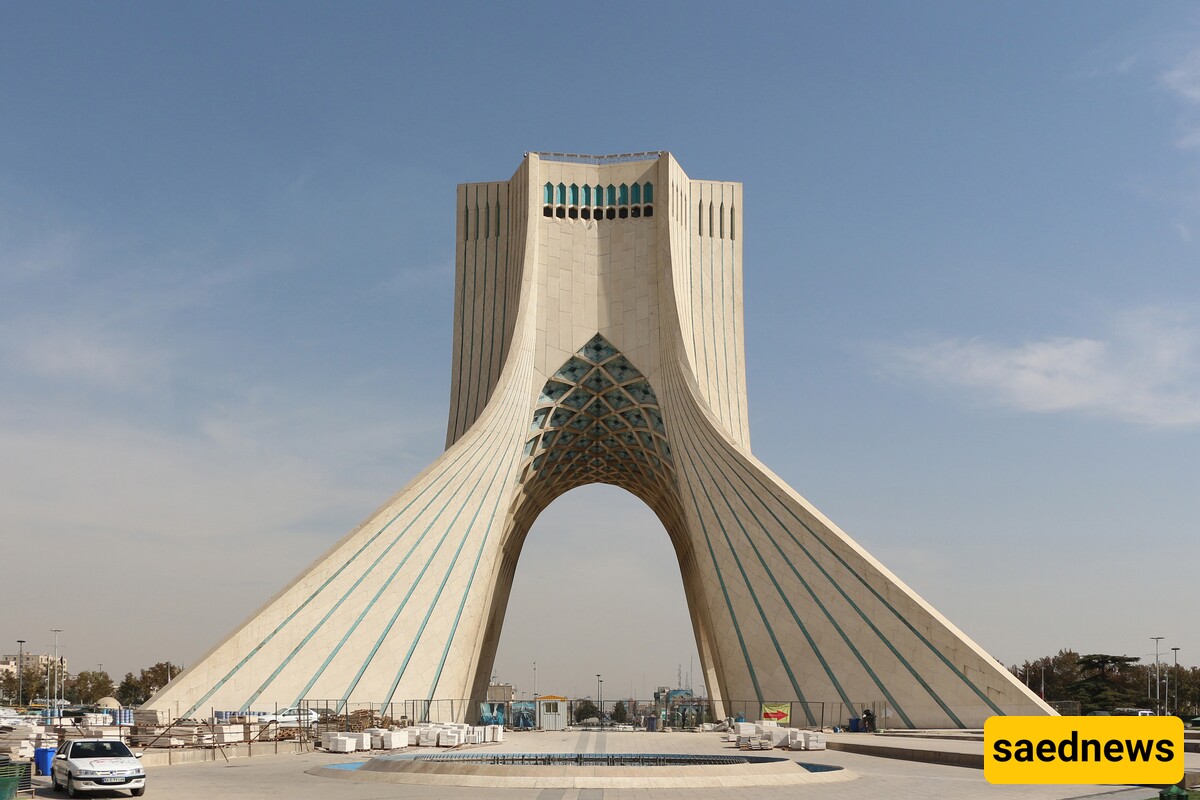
(1107, 682)
(88, 687)
(620, 713)
(585, 709)
(157, 677)
(130, 692)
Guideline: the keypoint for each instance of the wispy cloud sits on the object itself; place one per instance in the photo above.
(1182, 79)
(1144, 369)
(80, 356)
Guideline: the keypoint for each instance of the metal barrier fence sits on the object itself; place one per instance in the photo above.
(676, 712)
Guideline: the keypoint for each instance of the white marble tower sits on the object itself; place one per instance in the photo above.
(598, 337)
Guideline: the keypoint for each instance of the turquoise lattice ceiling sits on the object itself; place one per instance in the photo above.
(598, 421)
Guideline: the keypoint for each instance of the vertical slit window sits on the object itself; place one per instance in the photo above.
(610, 196)
(635, 194)
(624, 195)
(722, 220)
(548, 193)
(599, 195)
(732, 222)
(700, 218)
(476, 228)
(587, 195)
(574, 194)
(648, 192)
(710, 218)
(562, 195)
(487, 220)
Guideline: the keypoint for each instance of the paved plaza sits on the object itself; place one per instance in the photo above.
(286, 776)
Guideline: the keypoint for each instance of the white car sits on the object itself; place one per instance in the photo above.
(294, 717)
(92, 765)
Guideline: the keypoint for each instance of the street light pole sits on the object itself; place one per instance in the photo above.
(20, 672)
(1157, 683)
(598, 700)
(1175, 650)
(56, 632)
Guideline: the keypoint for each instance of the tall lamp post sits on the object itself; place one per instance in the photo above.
(601, 704)
(1175, 650)
(20, 672)
(1157, 684)
(599, 715)
(57, 674)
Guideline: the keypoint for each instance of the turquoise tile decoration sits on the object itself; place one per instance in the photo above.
(587, 411)
(618, 399)
(553, 391)
(578, 399)
(641, 393)
(622, 370)
(635, 418)
(598, 350)
(597, 382)
(574, 370)
(598, 408)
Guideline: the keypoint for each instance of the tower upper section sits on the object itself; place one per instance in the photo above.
(627, 246)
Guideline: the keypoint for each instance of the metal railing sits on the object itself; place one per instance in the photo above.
(681, 712)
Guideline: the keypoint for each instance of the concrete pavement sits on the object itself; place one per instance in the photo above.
(285, 776)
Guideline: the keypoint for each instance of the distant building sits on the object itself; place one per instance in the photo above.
(33, 661)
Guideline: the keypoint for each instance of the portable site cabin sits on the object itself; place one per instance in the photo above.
(552, 713)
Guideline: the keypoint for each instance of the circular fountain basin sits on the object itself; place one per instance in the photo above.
(586, 770)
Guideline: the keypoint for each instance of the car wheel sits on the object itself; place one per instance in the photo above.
(71, 786)
(138, 792)
(54, 784)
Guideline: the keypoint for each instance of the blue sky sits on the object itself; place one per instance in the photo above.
(972, 300)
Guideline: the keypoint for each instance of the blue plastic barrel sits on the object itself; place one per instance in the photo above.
(43, 757)
(855, 725)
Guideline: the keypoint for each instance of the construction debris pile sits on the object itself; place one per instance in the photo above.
(429, 734)
(766, 734)
(20, 739)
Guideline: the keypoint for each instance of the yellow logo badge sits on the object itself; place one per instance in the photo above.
(1112, 750)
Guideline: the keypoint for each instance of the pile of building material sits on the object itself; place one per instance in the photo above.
(19, 741)
(755, 743)
(806, 740)
(151, 718)
(453, 734)
(186, 734)
(767, 734)
(370, 739)
(97, 732)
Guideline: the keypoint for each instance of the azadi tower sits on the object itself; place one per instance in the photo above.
(598, 338)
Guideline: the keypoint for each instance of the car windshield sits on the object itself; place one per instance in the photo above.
(100, 750)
